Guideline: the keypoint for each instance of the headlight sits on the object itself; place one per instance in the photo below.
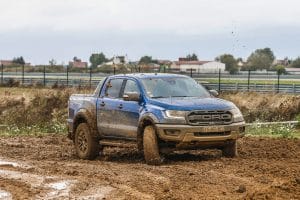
(237, 115)
(175, 114)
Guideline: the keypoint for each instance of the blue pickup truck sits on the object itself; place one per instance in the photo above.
(159, 113)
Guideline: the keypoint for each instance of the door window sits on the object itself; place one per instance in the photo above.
(131, 87)
(113, 88)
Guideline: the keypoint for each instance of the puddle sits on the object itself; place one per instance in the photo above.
(8, 163)
(59, 189)
(55, 189)
(5, 195)
(60, 185)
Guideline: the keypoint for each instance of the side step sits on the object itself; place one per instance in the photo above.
(118, 143)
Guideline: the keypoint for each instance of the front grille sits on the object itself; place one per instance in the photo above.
(207, 117)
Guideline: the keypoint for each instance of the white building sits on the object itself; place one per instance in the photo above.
(198, 66)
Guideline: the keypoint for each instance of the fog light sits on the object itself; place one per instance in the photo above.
(172, 132)
(242, 129)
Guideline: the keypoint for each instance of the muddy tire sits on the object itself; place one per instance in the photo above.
(86, 146)
(230, 149)
(151, 148)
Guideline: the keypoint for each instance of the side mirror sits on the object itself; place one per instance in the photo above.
(215, 93)
(131, 96)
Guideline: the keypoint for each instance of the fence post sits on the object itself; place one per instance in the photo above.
(44, 75)
(114, 70)
(278, 79)
(249, 79)
(191, 72)
(219, 87)
(236, 86)
(23, 74)
(90, 77)
(294, 88)
(2, 80)
(67, 75)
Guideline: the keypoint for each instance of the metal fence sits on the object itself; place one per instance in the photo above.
(221, 81)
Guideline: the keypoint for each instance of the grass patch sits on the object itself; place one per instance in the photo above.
(276, 131)
(34, 130)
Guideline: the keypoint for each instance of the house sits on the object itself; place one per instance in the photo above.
(284, 62)
(11, 63)
(291, 70)
(116, 60)
(198, 66)
(77, 63)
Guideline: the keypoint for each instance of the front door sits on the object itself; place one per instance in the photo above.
(129, 111)
(108, 104)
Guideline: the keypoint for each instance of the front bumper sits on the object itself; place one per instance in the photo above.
(188, 133)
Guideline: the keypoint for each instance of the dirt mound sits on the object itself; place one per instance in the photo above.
(265, 107)
(266, 169)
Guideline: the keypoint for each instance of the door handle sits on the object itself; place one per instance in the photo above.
(102, 104)
(120, 106)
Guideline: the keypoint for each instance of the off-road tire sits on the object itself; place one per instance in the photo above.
(230, 149)
(87, 147)
(151, 148)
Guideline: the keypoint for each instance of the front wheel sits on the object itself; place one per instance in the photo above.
(151, 148)
(87, 147)
(230, 149)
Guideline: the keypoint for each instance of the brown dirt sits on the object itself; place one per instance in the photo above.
(46, 167)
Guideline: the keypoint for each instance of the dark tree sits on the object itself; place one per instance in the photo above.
(19, 60)
(295, 63)
(192, 57)
(261, 59)
(229, 61)
(145, 60)
(97, 59)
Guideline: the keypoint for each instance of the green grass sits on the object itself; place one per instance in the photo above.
(33, 130)
(275, 131)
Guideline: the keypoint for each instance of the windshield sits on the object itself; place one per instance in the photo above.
(163, 87)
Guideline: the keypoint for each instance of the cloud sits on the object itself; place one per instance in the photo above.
(60, 29)
(176, 16)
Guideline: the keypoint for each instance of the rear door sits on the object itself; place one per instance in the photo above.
(108, 108)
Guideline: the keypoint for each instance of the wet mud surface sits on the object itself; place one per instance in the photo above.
(47, 168)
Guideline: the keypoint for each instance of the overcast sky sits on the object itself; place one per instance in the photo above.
(61, 29)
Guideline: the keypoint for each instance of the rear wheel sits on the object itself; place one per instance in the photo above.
(230, 149)
(151, 148)
(87, 147)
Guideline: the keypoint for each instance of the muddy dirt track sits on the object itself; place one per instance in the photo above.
(47, 168)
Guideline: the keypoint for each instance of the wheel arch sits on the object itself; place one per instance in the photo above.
(147, 120)
(84, 116)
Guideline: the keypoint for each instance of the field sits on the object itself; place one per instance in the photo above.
(37, 161)
(46, 167)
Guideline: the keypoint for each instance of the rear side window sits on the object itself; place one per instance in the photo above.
(113, 88)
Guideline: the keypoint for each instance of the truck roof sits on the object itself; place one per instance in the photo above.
(148, 75)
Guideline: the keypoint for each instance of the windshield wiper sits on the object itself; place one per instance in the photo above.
(157, 97)
(180, 96)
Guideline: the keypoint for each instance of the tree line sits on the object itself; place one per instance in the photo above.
(260, 59)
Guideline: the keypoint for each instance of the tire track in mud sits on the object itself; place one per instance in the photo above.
(16, 183)
(266, 168)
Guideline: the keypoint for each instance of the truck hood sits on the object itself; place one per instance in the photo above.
(189, 103)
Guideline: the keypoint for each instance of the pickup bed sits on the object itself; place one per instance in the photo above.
(157, 112)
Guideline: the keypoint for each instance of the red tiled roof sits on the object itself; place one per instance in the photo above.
(77, 64)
